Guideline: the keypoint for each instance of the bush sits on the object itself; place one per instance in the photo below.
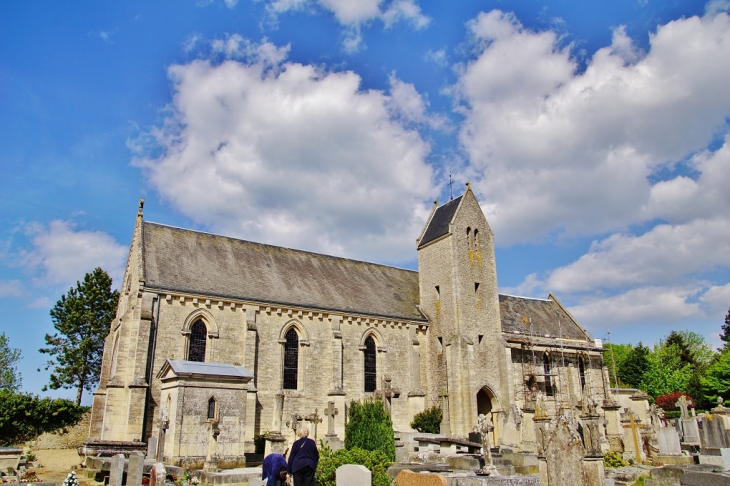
(24, 416)
(370, 428)
(329, 461)
(613, 459)
(668, 400)
(428, 421)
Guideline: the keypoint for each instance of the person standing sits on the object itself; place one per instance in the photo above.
(303, 459)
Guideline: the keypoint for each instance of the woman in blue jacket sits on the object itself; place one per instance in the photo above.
(303, 459)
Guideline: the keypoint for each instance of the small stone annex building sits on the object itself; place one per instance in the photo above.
(317, 329)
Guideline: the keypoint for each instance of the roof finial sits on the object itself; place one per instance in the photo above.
(468, 186)
(451, 187)
(141, 207)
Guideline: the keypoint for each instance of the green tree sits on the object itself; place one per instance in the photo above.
(725, 336)
(634, 366)
(370, 428)
(10, 379)
(676, 339)
(716, 380)
(24, 416)
(614, 358)
(666, 372)
(82, 318)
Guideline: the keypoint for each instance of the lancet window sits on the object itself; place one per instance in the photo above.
(291, 360)
(198, 335)
(370, 365)
(548, 378)
(211, 409)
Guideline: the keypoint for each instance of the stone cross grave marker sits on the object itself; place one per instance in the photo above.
(314, 418)
(117, 470)
(633, 426)
(682, 404)
(330, 412)
(353, 475)
(135, 469)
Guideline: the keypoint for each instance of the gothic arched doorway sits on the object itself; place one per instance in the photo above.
(484, 402)
(485, 406)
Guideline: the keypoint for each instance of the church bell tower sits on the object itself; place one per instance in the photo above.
(459, 295)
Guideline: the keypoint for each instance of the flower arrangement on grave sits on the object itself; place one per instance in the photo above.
(186, 478)
(71, 479)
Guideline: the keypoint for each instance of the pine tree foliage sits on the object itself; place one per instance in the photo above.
(10, 379)
(82, 318)
(370, 428)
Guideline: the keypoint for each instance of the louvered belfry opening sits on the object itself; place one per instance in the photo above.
(291, 360)
(196, 351)
(370, 365)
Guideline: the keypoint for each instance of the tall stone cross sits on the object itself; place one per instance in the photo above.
(330, 412)
(682, 403)
(633, 426)
(314, 418)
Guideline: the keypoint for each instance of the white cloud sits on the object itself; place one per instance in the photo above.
(556, 150)
(407, 104)
(652, 304)
(11, 288)
(60, 255)
(716, 6)
(716, 301)
(437, 57)
(292, 155)
(354, 14)
(667, 253)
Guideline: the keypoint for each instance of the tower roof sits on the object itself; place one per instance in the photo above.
(439, 223)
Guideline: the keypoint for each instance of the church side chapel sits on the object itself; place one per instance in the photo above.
(218, 340)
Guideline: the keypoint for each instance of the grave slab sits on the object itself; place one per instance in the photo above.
(668, 441)
(353, 475)
(409, 478)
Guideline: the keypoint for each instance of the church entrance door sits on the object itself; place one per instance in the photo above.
(485, 401)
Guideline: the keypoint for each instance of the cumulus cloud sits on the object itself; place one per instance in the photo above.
(553, 149)
(60, 255)
(294, 155)
(354, 14)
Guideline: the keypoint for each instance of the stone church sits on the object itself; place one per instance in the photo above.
(251, 337)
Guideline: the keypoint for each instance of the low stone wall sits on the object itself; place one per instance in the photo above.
(64, 438)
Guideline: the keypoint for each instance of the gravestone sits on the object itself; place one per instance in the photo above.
(117, 470)
(725, 454)
(562, 457)
(330, 412)
(713, 433)
(668, 442)
(353, 475)
(409, 478)
(151, 447)
(135, 469)
(690, 431)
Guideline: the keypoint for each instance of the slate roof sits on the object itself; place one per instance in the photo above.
(439, 224)
(201, 263)
(182, 368)
(544, 314)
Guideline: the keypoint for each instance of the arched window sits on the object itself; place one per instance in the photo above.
(371, 372)
(198, 334)
(582, 371)
(211, 409)
(291, 360)
(548, 377)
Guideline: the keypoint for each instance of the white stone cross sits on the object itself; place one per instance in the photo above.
(330, 412)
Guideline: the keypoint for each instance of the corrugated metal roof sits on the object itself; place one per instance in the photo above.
(439, 224)
(181, 367)
(201, 263)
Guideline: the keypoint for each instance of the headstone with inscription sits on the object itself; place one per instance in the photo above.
(713, 433)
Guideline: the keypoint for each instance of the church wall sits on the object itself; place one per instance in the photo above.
(316, 355)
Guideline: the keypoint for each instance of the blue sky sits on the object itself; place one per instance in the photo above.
(595, 135)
